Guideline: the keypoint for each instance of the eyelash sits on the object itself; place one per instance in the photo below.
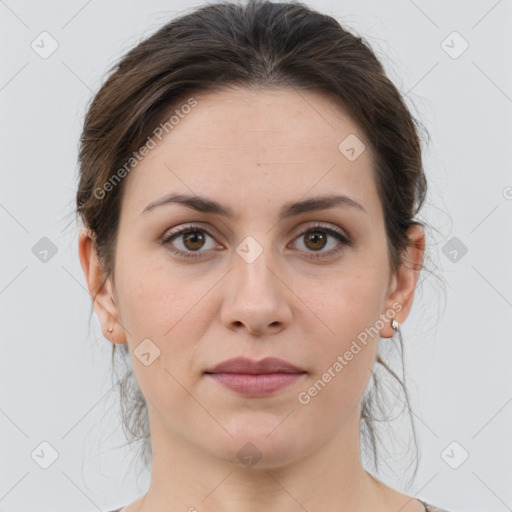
(345, 241)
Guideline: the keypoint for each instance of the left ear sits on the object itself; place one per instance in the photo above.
(403, 283)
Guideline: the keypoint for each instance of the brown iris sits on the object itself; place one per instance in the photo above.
(315, 237)
(194, 237)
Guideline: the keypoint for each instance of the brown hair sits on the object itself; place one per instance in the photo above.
(260, 44)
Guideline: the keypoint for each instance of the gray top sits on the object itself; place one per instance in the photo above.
(428, 507)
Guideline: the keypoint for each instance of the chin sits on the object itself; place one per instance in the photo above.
(260, 446)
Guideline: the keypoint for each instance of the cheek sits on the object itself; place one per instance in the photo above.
(349, 303)
(347, 349)
(155, 296)
(155, 305)
(170, 308)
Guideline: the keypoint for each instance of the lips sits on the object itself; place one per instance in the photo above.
(252, 367)
(256, 378)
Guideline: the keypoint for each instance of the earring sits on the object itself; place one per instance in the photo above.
(396, 327)
(111, 329)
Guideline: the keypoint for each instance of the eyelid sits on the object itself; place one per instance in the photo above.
(183, 228)
(309, 225)
(323, 225)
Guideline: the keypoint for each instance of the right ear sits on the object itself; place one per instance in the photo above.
(102, 294)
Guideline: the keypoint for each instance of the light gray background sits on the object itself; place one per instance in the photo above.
(55, 376)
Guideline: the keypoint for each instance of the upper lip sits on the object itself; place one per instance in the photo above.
(251, 366)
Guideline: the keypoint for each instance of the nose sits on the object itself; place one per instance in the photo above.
(256, 297)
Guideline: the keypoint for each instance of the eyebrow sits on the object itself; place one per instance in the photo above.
(206, 205)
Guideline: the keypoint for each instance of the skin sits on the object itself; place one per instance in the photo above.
(254, 150)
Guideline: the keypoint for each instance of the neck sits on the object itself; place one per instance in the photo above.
(330, 478)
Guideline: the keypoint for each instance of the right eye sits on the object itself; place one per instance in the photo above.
(191, 237)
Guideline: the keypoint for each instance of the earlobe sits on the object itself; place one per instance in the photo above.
(404, 282)
(100, 288)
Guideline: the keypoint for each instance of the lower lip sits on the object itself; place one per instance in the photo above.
(256, 385)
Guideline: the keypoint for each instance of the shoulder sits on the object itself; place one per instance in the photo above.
(428, 507)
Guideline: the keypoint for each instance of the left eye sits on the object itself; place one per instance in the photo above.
(316, 239)
(192, 239)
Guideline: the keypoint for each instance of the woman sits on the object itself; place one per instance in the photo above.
(249, 178)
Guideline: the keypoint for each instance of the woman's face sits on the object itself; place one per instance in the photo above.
(267, 280)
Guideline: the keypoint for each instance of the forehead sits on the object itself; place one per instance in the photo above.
(259, 119)
(272, 143)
